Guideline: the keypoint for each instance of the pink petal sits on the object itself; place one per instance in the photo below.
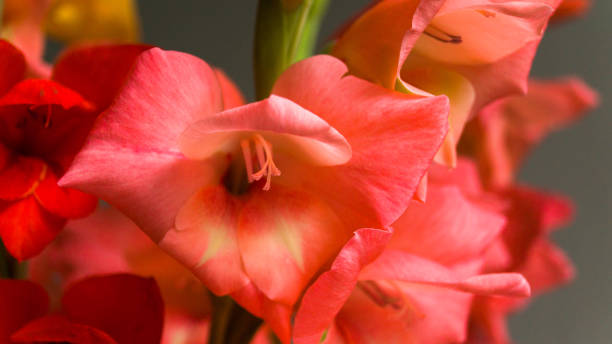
(427, 315)
(504, 132)
(376, 185)
(131, 158)
(401, 266)
(489, 30)
(98, 71)
(285, 124)
(326, 296)
(204, 239)
(285, 236)
(450, 227)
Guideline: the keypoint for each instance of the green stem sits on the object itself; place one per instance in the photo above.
(282, 37)
(299, 30)
(231, 324)
(1, 12)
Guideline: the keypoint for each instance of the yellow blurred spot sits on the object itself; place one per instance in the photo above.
(72, 21)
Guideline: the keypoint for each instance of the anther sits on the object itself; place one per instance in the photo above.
(442, 36)
(265, 160)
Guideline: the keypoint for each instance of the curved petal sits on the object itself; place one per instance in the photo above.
(204, 240)
(285, 236)
(131, 158)
(63, 202)
(36, 92)
(26, 228)
(449, 228)
(127, 307)
(22, 301)
(487, 30)
(547, 267)
(299, 131)
(393, 137)
(57, 329)
(404, 314)
(45, 119)
(372, 44)
(401, 266)
(326, 296)
(19, 175)
(12, 66)
(532, 214)
(97, 72)
(460, 92)
(505, 131)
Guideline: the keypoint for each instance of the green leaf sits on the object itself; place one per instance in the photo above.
(283, 36)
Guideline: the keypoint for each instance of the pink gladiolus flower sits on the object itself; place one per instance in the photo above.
(504, 132)
(524, 247)
(421, 287)
(473, 51)
(261, 195)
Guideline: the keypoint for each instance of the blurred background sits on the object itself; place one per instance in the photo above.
(576, 161)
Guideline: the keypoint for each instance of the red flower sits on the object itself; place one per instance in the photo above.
(118, 308)
(42, 125)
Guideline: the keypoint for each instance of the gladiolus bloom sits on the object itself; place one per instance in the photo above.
(472, 51)
(524, 247)
(504, 132)
(42, 125)
(266, 193)
(420, 288)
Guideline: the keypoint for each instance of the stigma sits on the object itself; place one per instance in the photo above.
(263, 157)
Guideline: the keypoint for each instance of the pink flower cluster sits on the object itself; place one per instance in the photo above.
(370, 198)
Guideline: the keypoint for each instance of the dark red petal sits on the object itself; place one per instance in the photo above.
(127, 307)
(97, 72)
(57, 329)
(42, 92)
(20, 303)
(63, 202)
(26, 228)
(19, 176)
(12, 66)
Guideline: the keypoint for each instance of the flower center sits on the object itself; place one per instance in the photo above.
(263, 157)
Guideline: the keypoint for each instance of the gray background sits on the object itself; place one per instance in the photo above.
(576, 161)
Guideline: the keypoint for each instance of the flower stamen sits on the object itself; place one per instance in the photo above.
(265, 159)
